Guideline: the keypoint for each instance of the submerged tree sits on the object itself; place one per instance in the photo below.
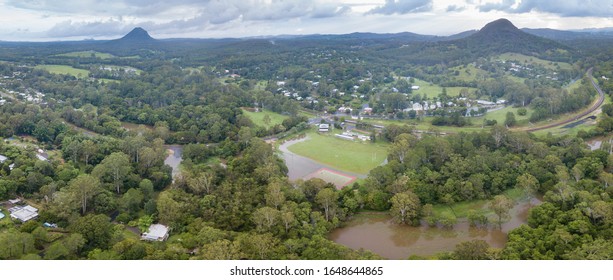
(406, 207)
(501, 206)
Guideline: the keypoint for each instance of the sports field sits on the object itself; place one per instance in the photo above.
(352, 156)
(337, 178)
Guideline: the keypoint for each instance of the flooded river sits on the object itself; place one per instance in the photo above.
(377, 233)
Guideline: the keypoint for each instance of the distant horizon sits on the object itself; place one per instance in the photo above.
(584, 30)
(72, 20)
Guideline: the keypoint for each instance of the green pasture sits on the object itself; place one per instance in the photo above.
(258, 118)
(525, 59)
(353, 156)
(469, 73)
(501, 115)
(432, 90)
(64, 70)
(88, 54)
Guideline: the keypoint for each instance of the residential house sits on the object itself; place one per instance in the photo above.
(24, 213)
(156, 232)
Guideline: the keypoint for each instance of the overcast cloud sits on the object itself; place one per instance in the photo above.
(78, 19)
(565, 8)
(403, 7)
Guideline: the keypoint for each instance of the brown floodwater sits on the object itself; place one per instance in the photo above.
(374, 231)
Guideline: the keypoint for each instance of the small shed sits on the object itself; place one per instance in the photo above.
(156, 232)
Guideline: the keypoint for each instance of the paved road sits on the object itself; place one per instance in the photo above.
(593, 108)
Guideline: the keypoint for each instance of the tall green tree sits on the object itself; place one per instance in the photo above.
(501, 205)
(328, 200)
(97, 230)
(406, 207)
(115, 168)
(84, 188)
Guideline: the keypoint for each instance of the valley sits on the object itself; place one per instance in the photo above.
(356, 146)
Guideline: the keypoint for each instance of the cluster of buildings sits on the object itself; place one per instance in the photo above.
(523, 71)
(20, 211)
(29, 95)
(24, 212)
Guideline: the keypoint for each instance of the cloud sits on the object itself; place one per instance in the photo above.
(505, 5)
(455, 8)
(403, 7)
(269, 9)
(68, 28)
(564, 8)
(164, 16)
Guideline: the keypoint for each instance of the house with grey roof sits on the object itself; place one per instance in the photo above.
(156, 232)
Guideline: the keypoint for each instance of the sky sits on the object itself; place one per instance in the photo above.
(53, 20)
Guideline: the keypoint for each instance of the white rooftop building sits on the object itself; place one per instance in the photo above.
(156, 232)
(24, 213)
(3, 158)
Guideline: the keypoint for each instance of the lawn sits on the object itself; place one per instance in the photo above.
(524, 59)
(258, 118)
(432, 90)
(86, 54)
(352, 156)
(469, 73)
(64, 70)
(501, 115)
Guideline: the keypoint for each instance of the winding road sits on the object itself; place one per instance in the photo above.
(593, 108)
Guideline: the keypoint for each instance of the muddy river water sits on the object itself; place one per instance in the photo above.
(377, 233)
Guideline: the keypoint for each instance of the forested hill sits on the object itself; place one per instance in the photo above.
(502, 36)
(496, 37)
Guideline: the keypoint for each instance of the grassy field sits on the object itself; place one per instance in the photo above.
(64, 70)
(524, 59)
(469, 73)
(258, 118)
(352, 156)
(461, 209)
(501, 115)
(86, 54)
(433, 90)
